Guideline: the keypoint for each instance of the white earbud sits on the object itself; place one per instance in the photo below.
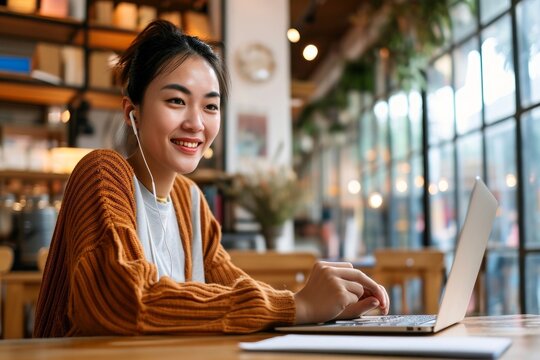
(132, 118)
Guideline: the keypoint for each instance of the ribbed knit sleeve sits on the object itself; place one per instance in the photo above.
(97, 281)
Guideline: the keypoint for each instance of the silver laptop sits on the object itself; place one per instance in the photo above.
(469, 253)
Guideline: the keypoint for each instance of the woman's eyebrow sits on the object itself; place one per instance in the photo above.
(186, 91)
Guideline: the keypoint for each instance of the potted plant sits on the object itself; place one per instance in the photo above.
(272, 195)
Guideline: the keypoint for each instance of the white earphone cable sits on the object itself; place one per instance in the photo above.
(155, 201)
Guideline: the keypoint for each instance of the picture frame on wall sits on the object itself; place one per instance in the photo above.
(252, 142)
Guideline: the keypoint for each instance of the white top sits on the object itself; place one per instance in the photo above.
(167, 252)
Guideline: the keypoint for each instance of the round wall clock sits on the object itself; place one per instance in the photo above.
(256, 62)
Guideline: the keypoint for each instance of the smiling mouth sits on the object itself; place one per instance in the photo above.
(188, 144)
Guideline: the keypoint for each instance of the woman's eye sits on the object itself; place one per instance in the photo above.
(176, 101)
(212, 107)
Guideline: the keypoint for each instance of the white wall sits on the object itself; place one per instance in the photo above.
(265, 22)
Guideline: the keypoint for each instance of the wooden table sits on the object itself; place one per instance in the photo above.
(524, 330)
(20, 288)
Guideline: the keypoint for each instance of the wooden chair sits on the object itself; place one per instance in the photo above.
(6, 259)
(279, 270)
(395, 267)
(6, 262)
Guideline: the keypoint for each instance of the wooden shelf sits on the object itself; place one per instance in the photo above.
(23, 89)
(36, 132)
(42, 28)
(31, 175)
(35, 93)
(104, 100)
(100, 37)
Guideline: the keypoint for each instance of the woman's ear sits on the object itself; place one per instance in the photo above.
(128, 108)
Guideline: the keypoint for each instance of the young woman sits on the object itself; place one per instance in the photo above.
(136, 249)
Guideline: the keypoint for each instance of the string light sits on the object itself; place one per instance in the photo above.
(310, 52)
(293, 35)
(354, 187)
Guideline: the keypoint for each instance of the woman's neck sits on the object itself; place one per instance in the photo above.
(163, 180)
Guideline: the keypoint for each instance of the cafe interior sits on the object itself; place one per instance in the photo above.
(354, 131)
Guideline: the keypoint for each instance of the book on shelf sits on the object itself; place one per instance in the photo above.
(197, 24)
(100, 75)
(173, 16)
(77, 9)
(48, 63)
(103, 12)
(73, 61)
(54, 8)
(15, 64)
(125, 16)
(214, 200)
(24, 6)
(45, 77)
(146, 15)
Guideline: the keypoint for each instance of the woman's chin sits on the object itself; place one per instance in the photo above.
(187, 167)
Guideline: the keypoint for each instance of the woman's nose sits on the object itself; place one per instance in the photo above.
(194, 121)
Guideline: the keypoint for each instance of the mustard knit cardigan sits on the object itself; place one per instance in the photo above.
(98, 282)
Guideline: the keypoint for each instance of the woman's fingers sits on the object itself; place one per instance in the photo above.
(336, 264)
(354, 288)
(338, 289)
(368, 284)
(385, 308)
(359, 308)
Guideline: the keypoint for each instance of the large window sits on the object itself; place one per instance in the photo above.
(498, 70)
(416, 168)
(492, 100)
(529, 50)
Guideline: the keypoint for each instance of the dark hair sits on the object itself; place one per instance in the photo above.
(159, 47)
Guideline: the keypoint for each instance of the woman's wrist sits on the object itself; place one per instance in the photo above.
(300, 316)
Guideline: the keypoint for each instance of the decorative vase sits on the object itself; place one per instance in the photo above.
(271, 234)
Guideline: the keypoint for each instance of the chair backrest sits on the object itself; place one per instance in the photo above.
(397, 266)
(42, 258)
(279, 270)
(6, 259)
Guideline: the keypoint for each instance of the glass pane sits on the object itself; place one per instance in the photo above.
(469, 164)
(463, 21)
(310, 175)
(417, 217)
(498, 70)
(532, 284)
(349, 177)
(502, 180)
(399, 131)
(440, 101)
(502, 283)
(381, 114)
(415, 116)
(350, 202)
(529, 50)
(468, 86)
(531, 174)
(367, 138)
(399, 209)
(441, 196)
(375, 210)
(489, 9)
(329, 179)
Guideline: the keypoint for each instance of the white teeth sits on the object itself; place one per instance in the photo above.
(185, 143)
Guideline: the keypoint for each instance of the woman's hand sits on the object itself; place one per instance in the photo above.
(336, 290)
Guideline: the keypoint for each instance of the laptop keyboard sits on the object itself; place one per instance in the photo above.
(388, 320)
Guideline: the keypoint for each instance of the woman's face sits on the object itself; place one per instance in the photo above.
(179, 117)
